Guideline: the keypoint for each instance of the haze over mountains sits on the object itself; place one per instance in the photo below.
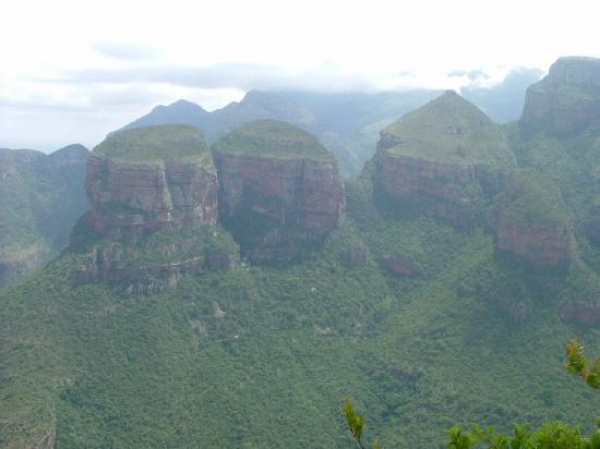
(347, 124)
(227, 295)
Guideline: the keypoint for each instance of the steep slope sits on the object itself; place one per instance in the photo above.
(445, 159)
(532, 221)
(567, 100)
(42, 196)
(279, 189)
(151, 178)
(153, 192)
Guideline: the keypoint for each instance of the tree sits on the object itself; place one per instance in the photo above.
(550, 435)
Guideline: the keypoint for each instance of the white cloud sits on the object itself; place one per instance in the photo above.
(177, 47)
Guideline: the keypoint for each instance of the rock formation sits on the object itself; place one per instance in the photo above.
(279, 189)
(567, 100)
(531, 221)
(148, 179)
(443, 159)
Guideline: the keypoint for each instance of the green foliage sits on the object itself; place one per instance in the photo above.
(552, 435)
(356, 424)
(273, 139)
(156, 143)
(450, 129)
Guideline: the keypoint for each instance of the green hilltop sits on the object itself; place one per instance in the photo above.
(155, 143)
(272, 138)
(450, 129)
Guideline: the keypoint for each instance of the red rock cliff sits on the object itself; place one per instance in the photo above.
(275, 172)
(137, 191)
(443, 159)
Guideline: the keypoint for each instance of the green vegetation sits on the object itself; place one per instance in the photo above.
(156, 143)
(245, 358)
(452, 130)
(533, 198)
(41, 197)
(273, 139)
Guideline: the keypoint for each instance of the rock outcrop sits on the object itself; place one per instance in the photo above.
(444, 159)
(279, 189)
(567, 100)
(148, 179)
(532, 222)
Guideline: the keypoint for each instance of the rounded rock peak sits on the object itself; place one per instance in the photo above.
(159, 142)
(272, 138)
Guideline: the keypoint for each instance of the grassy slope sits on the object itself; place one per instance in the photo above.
(166, 370)
(156, 143)
(274, 139)
(450, 129)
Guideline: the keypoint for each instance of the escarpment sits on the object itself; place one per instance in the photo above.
(567, 100)
(148, 179)
(155, 192)
(279, 189)
(445, 159)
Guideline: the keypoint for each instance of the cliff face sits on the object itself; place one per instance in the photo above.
(279, 189)
(444, 159)
(531, 221)
(567, 100)
(132, 194)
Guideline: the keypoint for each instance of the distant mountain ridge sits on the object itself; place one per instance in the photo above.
(41, 197)
(348, 124)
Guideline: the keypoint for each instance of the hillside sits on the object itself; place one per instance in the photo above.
(42, 197)
(435, 288)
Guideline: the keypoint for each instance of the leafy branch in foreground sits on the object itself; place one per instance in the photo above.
(356, 425)
(552, 435)
(578, 364)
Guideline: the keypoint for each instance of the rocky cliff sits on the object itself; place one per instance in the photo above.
(148, 179)
(279, 189)
(531, 221)
(567, 100)
(444, 159)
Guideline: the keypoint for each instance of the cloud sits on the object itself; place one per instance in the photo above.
(125, 52)
(239, 76)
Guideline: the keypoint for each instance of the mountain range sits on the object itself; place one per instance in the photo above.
(232, 293)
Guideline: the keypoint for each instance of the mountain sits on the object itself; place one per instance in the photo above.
(442, 158)
(503, 102)
(441, 288)
(280, 189)
(567, 100)
(347, 124)
(181, 112)
(41, 198)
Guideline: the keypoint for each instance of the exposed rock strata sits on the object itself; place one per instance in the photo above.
(446, 159)
(532, 222)
(131, 197)
(567, 100)
(279, 189)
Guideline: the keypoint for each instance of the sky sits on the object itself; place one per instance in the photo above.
(72, 71)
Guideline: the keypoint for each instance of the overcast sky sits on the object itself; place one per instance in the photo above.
(72, 71)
